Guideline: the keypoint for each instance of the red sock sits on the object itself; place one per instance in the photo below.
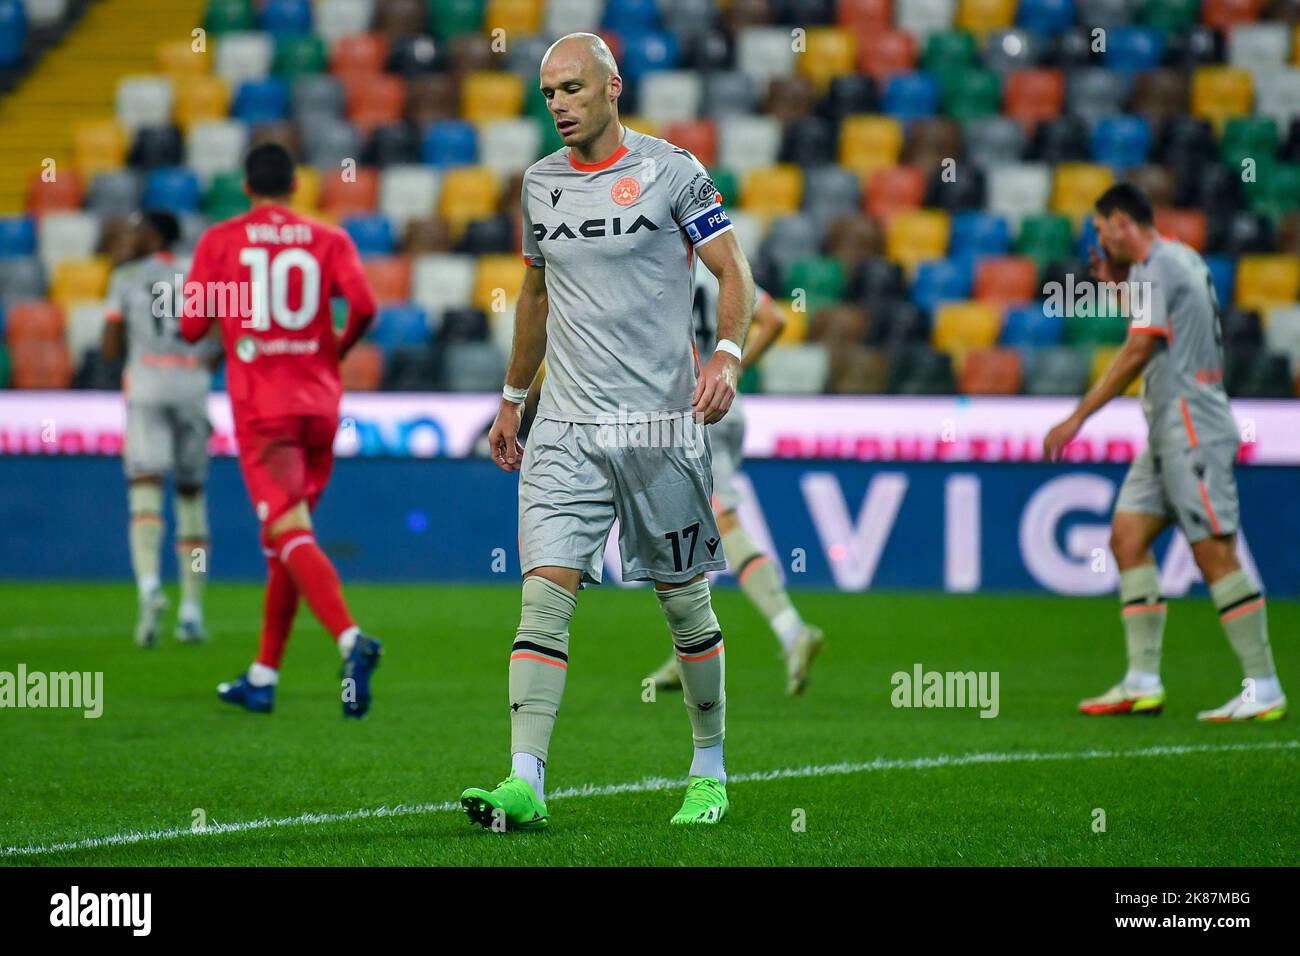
(314, 576)
(277, 614)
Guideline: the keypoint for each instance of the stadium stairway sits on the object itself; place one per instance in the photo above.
(77, 80)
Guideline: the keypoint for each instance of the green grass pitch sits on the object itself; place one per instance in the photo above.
(301, 786)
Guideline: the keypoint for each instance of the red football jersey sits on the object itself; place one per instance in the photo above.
(268, 277)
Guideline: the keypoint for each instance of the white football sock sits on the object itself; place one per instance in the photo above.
(1267, 688)
(348, 640)
(259, 675)
(708, 763)
(788, 626)
(532, 769)
(1141, 680)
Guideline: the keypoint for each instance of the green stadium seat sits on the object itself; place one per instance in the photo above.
(1275, 191)
(1248, 137)
(820, 277)
(728, 184)
(949, 48)
(5, 370)
(225, 196)
(1046, 238)
(453, 18)
(226, 16)
(971, 94)
(1179, 15)
(299, 55)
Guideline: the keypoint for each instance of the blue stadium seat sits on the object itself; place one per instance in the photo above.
(286, 17)
(175, 189)
(1121, 141)
(1045, 17)
(17, 236)
(1087, 238)
(453, 143)
(1027, 326)
(400, 326)
(942, 280)
(372, 234)
(646, 51)
(1134, 48)
(261, 101)
(626, 16)
(13, 32)
(979, 234)
(912, 96)
(1223, 270)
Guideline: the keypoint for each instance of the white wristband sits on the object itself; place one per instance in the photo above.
(515, 396)
(730, 347)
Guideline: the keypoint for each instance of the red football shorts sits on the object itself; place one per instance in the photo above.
(286, 460)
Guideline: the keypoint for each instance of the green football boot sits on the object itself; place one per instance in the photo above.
(706, 802)
(513, 801)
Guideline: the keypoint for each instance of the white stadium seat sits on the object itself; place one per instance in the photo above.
(508, 146)
(923, 17)
(765, 52)
(670, 96)
(84, 328)
(407, 192)
(339, 18)
(796, 369)
(1255, 45)
(215, 146)
(442, 281)
(748, 142)
(45, 13)
(1282, 333)
(66, 235)
(1277, 94)
(1018, 190)
(572, 16)
(243, 56)
(143, 101)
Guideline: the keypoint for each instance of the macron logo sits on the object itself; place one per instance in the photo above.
(103, 909)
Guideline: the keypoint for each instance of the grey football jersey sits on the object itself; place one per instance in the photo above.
(1182, 386)
(161, 366)
(617, 241)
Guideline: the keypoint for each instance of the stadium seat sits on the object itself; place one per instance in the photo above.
(913, 236)
(143, 101)
(178, 58)
(829, 52)
(336, 19)
(442, 282)
(764, 52)
(772, 191)
(893, 190)
(748, 142)
(497, 277)
(1006, 280)
(1094, 92)
(21, 277)
(920, 370)
(1121, 141)
(176, 190)
(1045, 238)
(1076, 187)
(66, 235)
(399, 326)
(297, 56)
(818, 278)
(33, 321)
(1265, 281)
(886, 54)
(390, 278)
(373, 235)
(214, 147)
(1221, 92)
(491, 95)
(978, 233)
(85, 326)
(1034, 95)
(1057, 370)
(990, 371)
(961, 326)
(452, 143)
(941, 280)
(795, 369)
(467, 192)
(949, 48)
(362, 370)
(225, 196)
(982, 16)
(98, 146)
(992, 141)
(62, 193)
(79, 280)
(473, 367)
(261, 101)
(1030, 326)
(374, 100)
(923, 17)
(1160, 95)
(864, 15)
(17, 236)
(200, 99)
(1134, 48)
(910, 96)
(580, 16)
(359, 54)
(1045, 17)
(407, 192)
(1010, 51)
(970, 94)
(870, 143)
(1186, 225)
(1018, 190)
(670, 96)
(40, 365)
(1282, 334)
(1226, 14)
(243, 56)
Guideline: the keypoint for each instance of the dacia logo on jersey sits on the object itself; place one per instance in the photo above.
(592, 229)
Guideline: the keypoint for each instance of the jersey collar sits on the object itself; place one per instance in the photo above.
(613, 158)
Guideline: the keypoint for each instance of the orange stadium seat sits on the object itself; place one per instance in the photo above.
(340, 198)
(1034, 95)
(1264, 281)
(883, 53)
(772, 190)
(698, 137)
(359, 54)
(894, 189)
(61, 194)
(915, 235)
(390, 278)
(865, 15)
(1006, 280)
(1226, 14)
(374, 100)
(1186, 225)
(41, 364)
(870, 143)
(991, 372)
(32, 321)
(363, 368)
(491, 95)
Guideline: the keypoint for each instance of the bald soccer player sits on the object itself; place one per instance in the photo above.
(1185, 473)
(612, 224)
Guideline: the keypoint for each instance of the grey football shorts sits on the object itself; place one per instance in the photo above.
(577, 478)
(167, 437)
(1193, 486)
(726, 440)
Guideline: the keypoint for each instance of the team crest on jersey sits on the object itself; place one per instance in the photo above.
(246, 349)
(625, 191)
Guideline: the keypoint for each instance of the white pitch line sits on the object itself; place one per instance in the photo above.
(651, 785)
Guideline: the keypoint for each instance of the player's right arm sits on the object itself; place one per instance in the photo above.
(526, 354)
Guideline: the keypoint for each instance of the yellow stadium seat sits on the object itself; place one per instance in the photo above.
(491, 95)
(199, 98)
(1102, 356)
(1221, 92)
(178, 58)
(1077, 186)
(306, 192)
(1295, 46)
(79, 280)
(983, 16)
(914, 235)
(772, 190)
(497, 281)
(796, 323)
(515, 17)
(98, 146)
(642, 124)
(962, 326)
(830, 52)
(468, 192)
(1264, 281)
(869, 143)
